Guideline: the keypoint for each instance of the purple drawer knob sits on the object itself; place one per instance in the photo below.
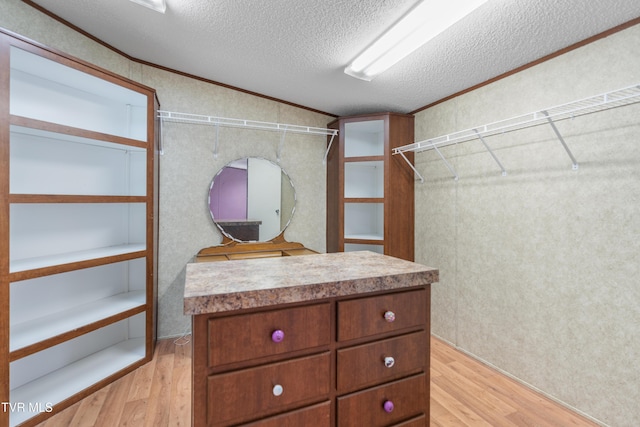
(277, 336)
(389, 316)
(388, 406)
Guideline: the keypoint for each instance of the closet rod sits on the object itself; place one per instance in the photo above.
(602, 102)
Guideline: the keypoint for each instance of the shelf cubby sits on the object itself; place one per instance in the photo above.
(47, 90)
(364, 179)
(44, 162)
(49, 234)
(364, 221)
(57, 373)
(364, 138)
(50, 306)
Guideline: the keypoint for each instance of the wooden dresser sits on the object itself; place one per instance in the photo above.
(336, 339)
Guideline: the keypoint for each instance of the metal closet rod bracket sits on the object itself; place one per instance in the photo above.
(564, 144)
(326, 153)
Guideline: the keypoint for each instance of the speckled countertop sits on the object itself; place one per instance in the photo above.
(232, 285)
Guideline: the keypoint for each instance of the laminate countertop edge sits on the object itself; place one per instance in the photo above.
(212, 287)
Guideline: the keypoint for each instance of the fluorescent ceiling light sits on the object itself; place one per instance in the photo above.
(422, 23)
(157, 5)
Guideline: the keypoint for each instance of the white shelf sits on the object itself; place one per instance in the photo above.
(73, 378)
(171, 116)
(40, 329)
(548, 116)
(363, 236)
(354, 247)
(605, 101)
(71, 257)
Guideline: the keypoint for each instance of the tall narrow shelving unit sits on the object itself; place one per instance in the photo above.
(370, 202)
(78, 226)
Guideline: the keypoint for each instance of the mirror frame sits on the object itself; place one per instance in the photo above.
(227, 237)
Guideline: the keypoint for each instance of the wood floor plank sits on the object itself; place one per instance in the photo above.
(113, 406)
(141, 387)
(89, 409)
(467, 415)
(464, 393)
(180, 410)
(134, 413)
(157, 413)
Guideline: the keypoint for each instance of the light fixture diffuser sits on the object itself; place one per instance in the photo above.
(422, 23)
(157, 5)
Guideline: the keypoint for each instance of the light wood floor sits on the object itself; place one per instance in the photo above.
(464, 392)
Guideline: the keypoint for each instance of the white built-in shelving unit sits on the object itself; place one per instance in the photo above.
(78, 225)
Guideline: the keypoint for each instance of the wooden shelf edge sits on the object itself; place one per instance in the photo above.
(74, 198)
(66, 336)
(71, 266)
(70, 130)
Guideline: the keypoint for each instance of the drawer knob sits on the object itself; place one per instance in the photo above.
(277, 336)
(388, 406)
(389, 316)
(277, 390)
(389, 361)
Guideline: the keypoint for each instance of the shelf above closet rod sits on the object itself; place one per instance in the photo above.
(170, 116)
(605, 101)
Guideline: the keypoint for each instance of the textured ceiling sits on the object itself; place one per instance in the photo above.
(296, 50)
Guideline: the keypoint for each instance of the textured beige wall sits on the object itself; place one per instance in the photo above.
(188, 163)
(539, 269)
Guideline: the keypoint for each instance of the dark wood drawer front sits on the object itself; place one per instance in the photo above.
(247, 394)
(314, 416)
(367, 408)
(250, 336)
(374, 363)
(365, 317)
(420, 421)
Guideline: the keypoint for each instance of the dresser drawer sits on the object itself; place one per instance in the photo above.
(314, 416)
(380, 314)
(381, 361)
(265, 390)
(420, 421)
(251, 336)
(384, 405)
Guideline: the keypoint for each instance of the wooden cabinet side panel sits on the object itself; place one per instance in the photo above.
(153, 210)
(4, 227)
(199, 370)
(399, 191)
(334, 218)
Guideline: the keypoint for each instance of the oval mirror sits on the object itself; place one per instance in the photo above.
(251, 199)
